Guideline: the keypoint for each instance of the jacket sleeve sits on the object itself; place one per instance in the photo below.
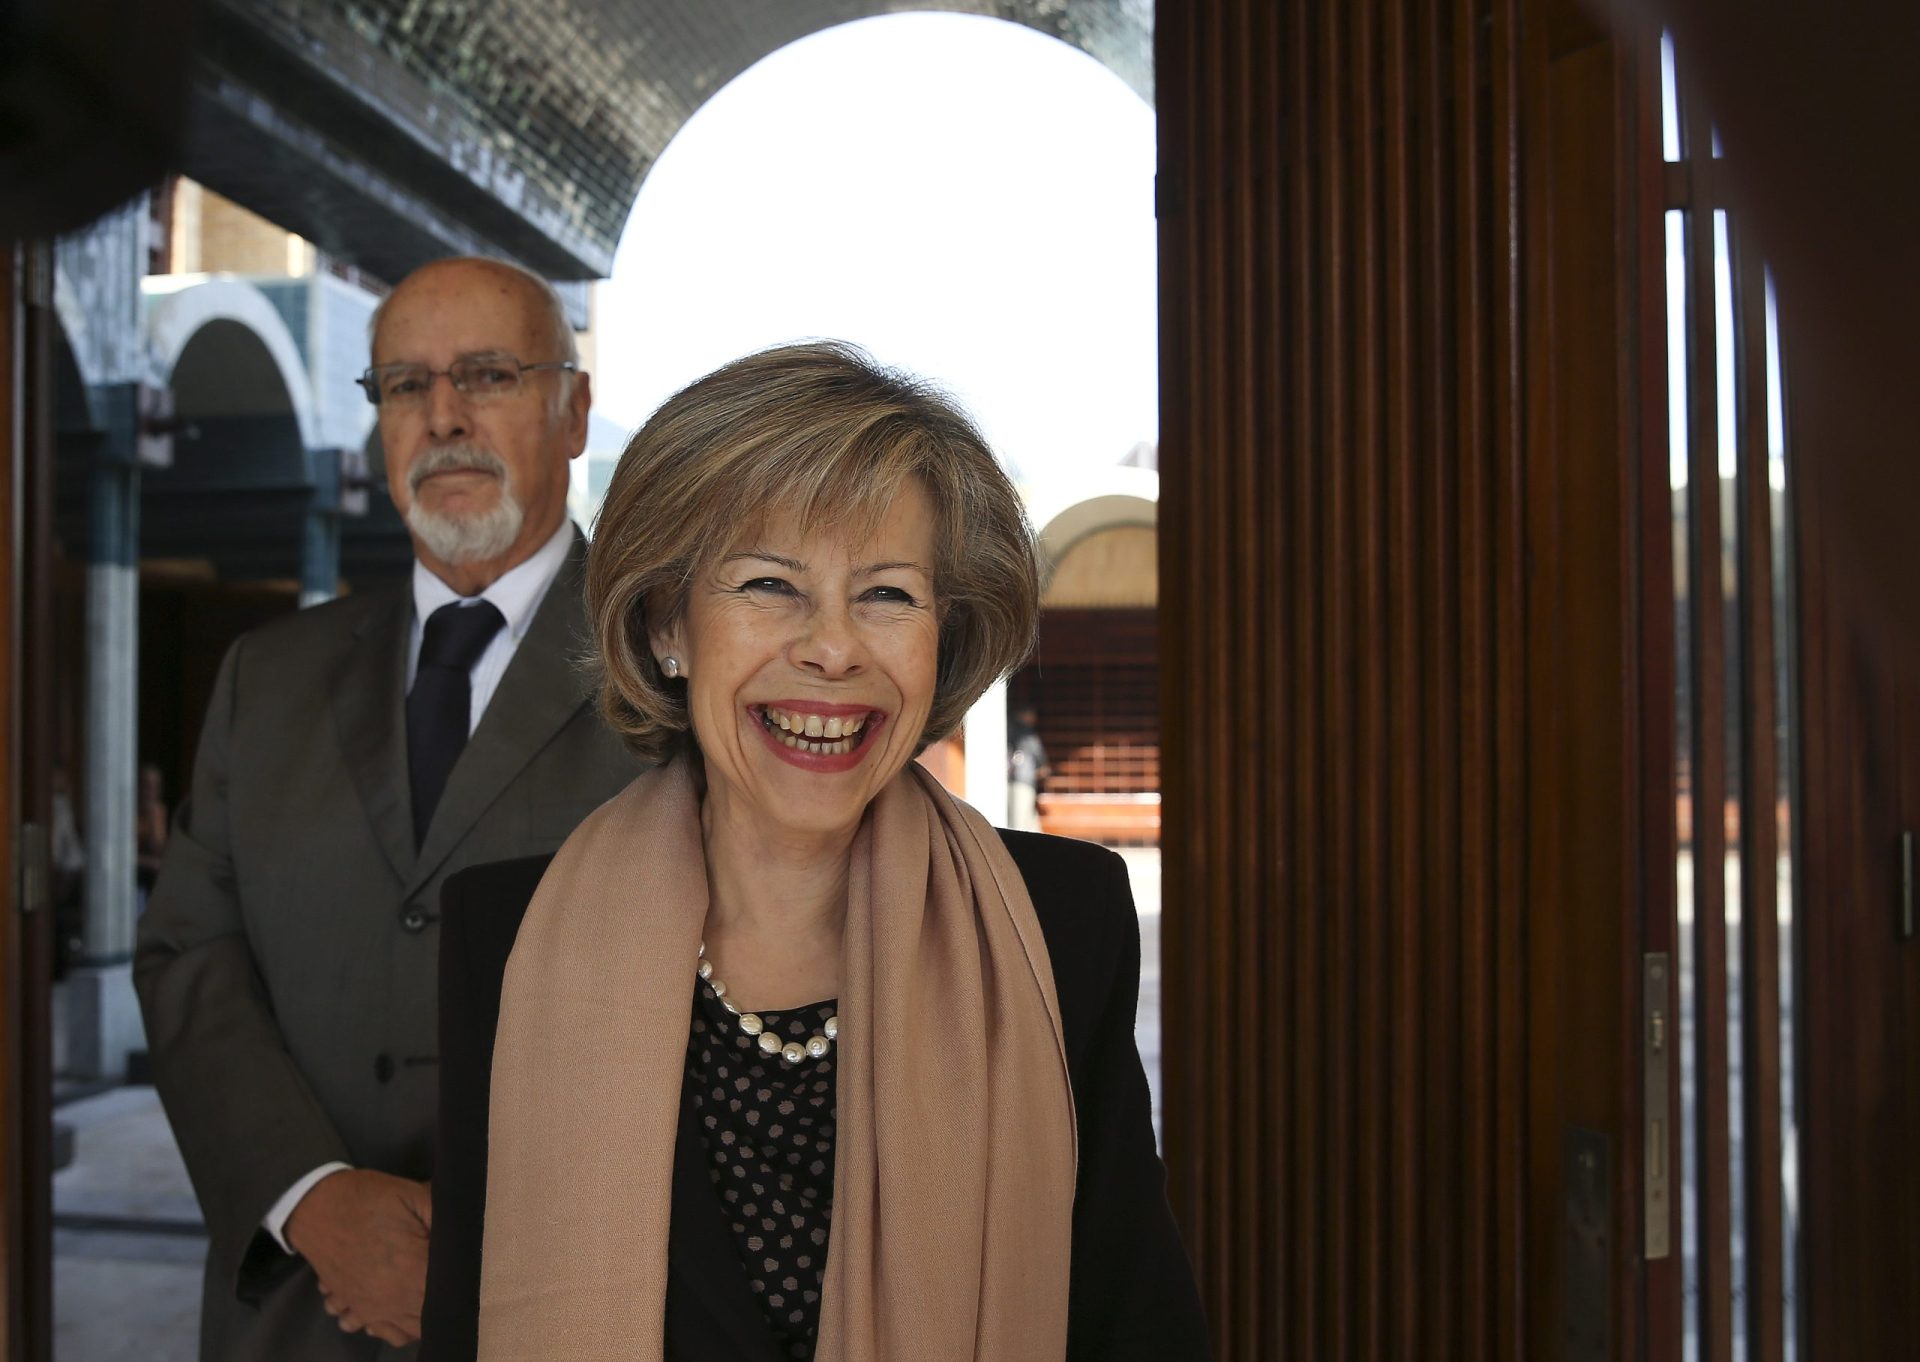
(248, 1124)
(469, 1010)
(1132, 1297)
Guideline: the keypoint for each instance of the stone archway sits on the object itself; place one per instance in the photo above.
(1094, 678)
(246, 474)
(239, 356)
(1099, 508)
(388, 141)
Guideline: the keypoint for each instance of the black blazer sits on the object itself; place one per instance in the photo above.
(1131, 1294)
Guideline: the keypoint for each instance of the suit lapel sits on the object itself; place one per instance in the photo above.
(539, 693)
(369, 693)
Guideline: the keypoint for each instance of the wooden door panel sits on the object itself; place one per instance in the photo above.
(1398, 620)
(1860, 1106)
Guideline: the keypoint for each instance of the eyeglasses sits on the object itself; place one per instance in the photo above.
(479, 380)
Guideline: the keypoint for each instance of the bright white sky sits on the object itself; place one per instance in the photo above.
(964, 197)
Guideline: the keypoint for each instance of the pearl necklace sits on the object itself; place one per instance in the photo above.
(793, 1051)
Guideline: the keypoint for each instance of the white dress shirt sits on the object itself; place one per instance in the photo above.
(517, 596)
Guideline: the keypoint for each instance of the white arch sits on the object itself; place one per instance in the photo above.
(1066, 512)
(73, 320)
(180, 305)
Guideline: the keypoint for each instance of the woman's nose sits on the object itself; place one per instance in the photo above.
(829, 646)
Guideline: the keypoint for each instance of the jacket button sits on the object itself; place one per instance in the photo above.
(383, 1068)
(414, 919)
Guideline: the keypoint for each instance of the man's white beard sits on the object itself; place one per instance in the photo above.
(460, 539)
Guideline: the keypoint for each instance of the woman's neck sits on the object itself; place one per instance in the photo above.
(765, 882)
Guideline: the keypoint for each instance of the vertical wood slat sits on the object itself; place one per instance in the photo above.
(1268, 350)
(1241, 253)
(1477, 702)
(1335, 664)
(1707, 776)
(1210, 388)
(1373, 1102)
(1759, 828)
(1401, 1276)
(1209, 673)
(1304, 840)
(1441, 1057)
(1500, 1132)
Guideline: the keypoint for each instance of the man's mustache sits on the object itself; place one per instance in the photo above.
(452, 458)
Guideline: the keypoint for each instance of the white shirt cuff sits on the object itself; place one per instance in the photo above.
(276, 1219)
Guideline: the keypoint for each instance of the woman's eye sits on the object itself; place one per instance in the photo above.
(776, 585)
(892, 595)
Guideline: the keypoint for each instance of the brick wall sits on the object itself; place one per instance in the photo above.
(214, 235)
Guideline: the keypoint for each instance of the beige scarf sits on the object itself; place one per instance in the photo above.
(955, 1157)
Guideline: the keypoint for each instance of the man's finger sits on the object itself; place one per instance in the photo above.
(349, 1322)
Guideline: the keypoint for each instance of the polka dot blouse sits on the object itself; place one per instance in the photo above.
(767, 1127)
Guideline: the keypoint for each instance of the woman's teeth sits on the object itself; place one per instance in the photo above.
(811, 733)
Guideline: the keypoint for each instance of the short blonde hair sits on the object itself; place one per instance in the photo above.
(824, 432)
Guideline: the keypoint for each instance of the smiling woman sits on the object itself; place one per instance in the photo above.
(901, 1113)
(799, 441)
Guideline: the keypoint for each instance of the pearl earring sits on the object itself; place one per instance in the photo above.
(671, 666)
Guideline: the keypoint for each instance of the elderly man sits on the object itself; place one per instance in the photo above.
(354, 756)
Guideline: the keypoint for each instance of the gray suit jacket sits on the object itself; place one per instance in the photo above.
(286, 962)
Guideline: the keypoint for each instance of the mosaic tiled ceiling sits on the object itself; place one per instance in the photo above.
(390, 131)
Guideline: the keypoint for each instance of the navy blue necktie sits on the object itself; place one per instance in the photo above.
(439, 705)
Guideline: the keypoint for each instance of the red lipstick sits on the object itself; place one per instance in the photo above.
(821, 763)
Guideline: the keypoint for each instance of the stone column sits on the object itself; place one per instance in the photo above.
(113, 673)
(319, 548)
(102, 1013)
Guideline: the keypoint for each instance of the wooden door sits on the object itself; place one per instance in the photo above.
(26, 942)
(1404, 641)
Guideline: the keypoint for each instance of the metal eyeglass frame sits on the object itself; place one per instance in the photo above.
(370, 380)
